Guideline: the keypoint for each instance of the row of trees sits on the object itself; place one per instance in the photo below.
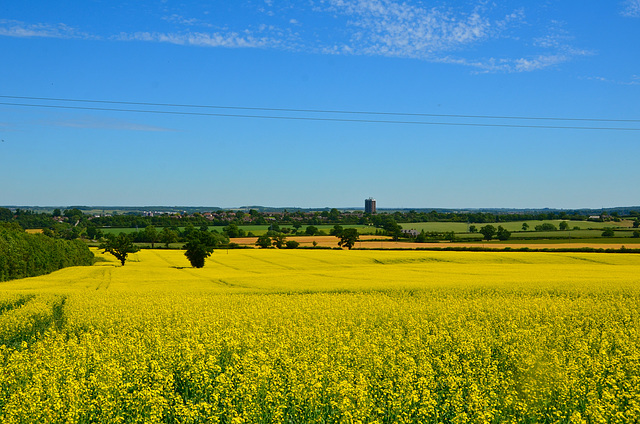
(27, 255)
(346, 238)
(200, 243)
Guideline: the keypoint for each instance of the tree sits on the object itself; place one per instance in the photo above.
(6, 215)
(547, 226)
(348, 238)
(93, 233)
(151, 234)
(473, 229)
(292, 244)
(421, 238)
(199, 247)
(232, 231)
(278, 240)
(263, 241)
(525, 226)
(119, 246)
(502, 233)
(336, 230)
(168, 236)
(488, 231)
(311, 230)
(392, 228)
(608, 232)
(563, 226)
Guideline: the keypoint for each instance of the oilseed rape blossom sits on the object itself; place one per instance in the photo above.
(270, 336)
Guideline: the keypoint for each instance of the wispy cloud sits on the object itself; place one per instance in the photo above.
(229, 40)
(384, 27)
(9, 28)
(635, 80)
(471, 36)
(631, 8)
(181, 20)
(389, 28)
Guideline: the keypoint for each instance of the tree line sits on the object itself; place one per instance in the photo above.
(28, 255)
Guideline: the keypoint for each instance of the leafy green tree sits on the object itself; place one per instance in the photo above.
(525, 226)
(74, 215)
(502, 233)
(232, 231)
(422, 237)
(279, 240)
(311, 230)
(636, 223)
(392, 228)
(168, 236)
(151, 235)
(473, 229)
(292, 244)
(563, 226)
(336, 230)
(348, 238)
(488, 231)
(547, 226)
(636, 234)
(119, 246)
(263, 241)
(93, 233)
(198, 248)
(6, 215)
(608, 232)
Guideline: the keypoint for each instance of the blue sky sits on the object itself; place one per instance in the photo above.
(573, 60)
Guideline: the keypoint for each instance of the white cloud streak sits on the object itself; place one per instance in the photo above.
(389, 28)
(9, 28)
(366, 27)
(635, 80)
(229, 40)
(631, 9)
(384, 27)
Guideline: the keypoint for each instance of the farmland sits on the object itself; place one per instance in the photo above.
(326, 336)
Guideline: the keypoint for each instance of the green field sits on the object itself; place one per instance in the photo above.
(589, 231)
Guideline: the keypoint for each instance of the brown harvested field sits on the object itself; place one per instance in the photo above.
(381, 242)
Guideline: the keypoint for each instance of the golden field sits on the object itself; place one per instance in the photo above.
(326, 336)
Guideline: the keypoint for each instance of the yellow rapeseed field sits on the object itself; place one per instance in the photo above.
(323, 336)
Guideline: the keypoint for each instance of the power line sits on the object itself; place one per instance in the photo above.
(309, 118)
(268, 109)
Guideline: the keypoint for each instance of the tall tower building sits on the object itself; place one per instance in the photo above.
(370, 205)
